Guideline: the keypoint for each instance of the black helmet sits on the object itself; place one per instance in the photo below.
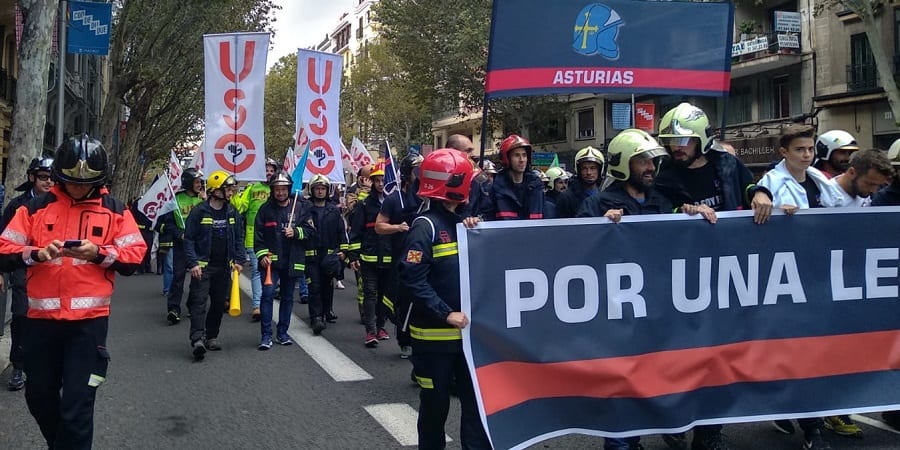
(408, 163)
(81, 159)
(188, 177)
(40, 163)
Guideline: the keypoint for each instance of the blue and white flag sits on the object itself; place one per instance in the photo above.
(297, 175)
(391, 173)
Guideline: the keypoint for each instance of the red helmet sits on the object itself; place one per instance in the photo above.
(513, 141)
(446, 174)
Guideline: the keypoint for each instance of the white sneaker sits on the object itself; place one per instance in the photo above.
(338, 284)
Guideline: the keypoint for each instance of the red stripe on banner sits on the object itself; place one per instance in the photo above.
(579, 77)
(507, 384)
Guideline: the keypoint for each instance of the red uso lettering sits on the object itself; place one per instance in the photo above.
(235, 148)
(320, 150)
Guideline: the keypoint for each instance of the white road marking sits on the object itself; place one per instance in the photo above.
(873, 423)
(332, 360)
(399, 419)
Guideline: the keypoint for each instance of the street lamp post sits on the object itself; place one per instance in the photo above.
(61, 73)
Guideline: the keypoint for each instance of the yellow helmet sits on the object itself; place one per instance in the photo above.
(220, 179)
(686, 121)
(626, 145)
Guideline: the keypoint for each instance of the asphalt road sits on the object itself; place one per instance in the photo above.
(323, 392)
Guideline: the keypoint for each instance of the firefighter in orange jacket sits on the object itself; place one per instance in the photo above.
(71, 241)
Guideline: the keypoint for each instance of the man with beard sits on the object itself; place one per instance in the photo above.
(282, 230)
(634, 158)
(868, 171)
(326, 254)
(248, 203)
(589, 168)
(699, 173)
(39, 183)
(370, 255)
(833, 150)
(516, 194)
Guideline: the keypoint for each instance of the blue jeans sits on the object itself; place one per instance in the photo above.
(286, 305)
(304, 287)
(255, 281)
(167, 271)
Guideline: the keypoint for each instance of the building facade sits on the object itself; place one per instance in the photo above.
(788, 65)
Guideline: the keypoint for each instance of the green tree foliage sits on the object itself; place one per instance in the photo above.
(281, 100)
(443, 47)
(379, 101)
(866, 10)
(156, 58)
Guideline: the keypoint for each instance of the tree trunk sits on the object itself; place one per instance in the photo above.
(882, 63)
(30, 112)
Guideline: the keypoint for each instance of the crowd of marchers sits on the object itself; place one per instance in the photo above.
(400, 242)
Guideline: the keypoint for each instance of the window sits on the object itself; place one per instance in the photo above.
(553, 130)
(781, 92)
(740, 104)
(586, 124)
(861, 73)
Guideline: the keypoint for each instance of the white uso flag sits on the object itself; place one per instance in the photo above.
(318, 102)
(235, 68)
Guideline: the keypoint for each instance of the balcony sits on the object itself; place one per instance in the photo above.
(764, 52)
(861, 77)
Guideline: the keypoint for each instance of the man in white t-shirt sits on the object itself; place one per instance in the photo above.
(869, 170)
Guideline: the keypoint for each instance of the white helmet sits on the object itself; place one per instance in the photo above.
(894, 153)
(834, 140)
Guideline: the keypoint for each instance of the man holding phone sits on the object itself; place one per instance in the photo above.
(70, 287)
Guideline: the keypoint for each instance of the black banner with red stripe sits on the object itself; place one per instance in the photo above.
(540, 47)
(664, 322)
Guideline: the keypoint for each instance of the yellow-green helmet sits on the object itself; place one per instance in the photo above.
(686, 121)
(220, 179)
(894, 153)
(626, 145)
(590, 154)
(555, 173)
